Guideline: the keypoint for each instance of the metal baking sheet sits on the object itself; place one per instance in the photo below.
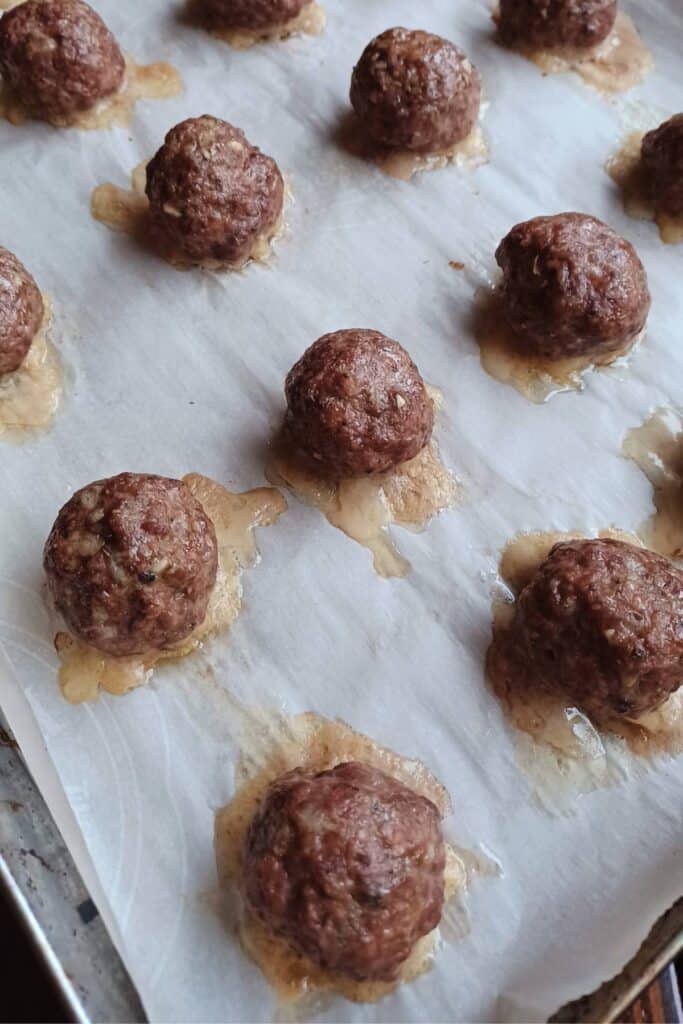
(174, 372)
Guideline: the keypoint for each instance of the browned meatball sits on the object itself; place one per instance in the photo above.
(602, 622)
(545, 24)
(21, 311)
(251, 14)
(414, 90)
(131, 562)
(212, 194)
(348, 866)
(662, 157)
(356, 404)
(59, 56)
(572, 287)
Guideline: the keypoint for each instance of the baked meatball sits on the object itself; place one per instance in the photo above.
(546, 24)
(131, 562)
(356, 404)
(662, 161)
(348, 866)
(251, 14)
(59, 57)
(571, 287)
(602, 622)
(21, 311)
(414, 90)
(212, 194)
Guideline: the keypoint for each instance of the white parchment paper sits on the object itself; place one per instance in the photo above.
(171, 372)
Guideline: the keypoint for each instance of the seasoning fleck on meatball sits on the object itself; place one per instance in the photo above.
(546, 24)
(414, 90)
(602, 623)
(21, 311)
(356, 404)
(572, 287)
(662, 160)
(212, 194)
(251, 14)
(348, 866)
(59, 57)
(131, 562)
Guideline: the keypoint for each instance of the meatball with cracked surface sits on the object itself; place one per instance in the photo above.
(356, 404)
(212, 195)
(59, 57)
(662, 162)
(21, 311)
(571, 287)
(601, 622)
(348, 866)
(131, 562)
(252, 15)
(549, 24)
(414, 90)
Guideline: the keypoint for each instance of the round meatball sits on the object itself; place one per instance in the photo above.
(131, 562)
(414, 90)
(59, 57)
(546, 24)
(356, 404)
(571, 287)
(21, 311)
(212, 194)
(251, 14)
(348, 866)
(602, 622)
(662, 161)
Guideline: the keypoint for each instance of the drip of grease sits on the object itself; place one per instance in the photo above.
(656, 447)
(535, 378)
(364, 508)
(309, 21)
(141, 82)
(85, 671)
(30, 395)
(274, 744)
(626, 170)
(561, 749)
(618, 63)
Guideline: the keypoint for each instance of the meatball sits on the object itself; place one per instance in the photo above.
(212, 194)
(59, 57)
(546, 24)
(348, 866)
(414, 90)
(571, 287)
(251, 14)
(21, 311)
(662, 161)
(356, 404)
(131, 562)
(602, 622)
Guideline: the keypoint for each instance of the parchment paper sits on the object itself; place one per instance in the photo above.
(171, 372)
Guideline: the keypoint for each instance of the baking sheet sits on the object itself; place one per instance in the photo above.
(174, 372)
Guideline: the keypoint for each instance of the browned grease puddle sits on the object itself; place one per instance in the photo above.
(85, 671)
(141, 82)
(127, 210)
(30, 395)
(657, 449)
(309, 21)
(364, 508)
(535, 378)
(272, 745)
(626, 170)
(470, 152)
(617, 64)
(562, 750)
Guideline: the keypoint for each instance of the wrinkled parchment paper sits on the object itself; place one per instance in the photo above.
(175, 372)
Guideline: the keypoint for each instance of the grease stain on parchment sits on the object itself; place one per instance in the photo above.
(656, 447)
(30, 395)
